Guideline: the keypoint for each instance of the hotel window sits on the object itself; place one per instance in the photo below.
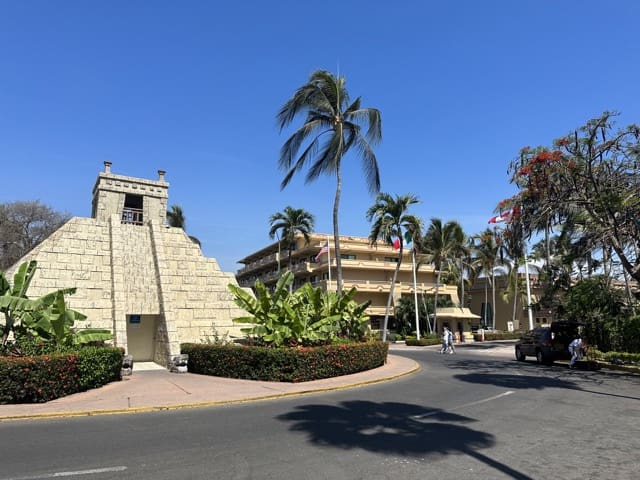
(347, 256)
(391, 259)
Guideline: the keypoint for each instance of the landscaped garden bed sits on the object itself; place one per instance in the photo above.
(284, 364)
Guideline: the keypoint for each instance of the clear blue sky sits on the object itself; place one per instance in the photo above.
(193, 88)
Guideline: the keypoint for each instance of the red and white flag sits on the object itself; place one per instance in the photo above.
(396, 244)
(503, 217)
(322, 251)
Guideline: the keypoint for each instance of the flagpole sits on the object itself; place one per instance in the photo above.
(415, 292)
(526, 273)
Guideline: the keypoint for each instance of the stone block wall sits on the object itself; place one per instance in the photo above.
(130, 269)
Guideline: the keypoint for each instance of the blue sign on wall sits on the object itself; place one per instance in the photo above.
(134, 319)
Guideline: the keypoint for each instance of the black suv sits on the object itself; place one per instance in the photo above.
(548, 343)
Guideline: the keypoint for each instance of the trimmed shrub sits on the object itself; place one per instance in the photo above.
(38, 379)
(425, 341)
(614, 357)
(98, 366)
(489, 336)
(47, 377)
(284, 364)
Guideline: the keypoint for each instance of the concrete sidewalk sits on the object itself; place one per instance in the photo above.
(158, 389)
(153, 388)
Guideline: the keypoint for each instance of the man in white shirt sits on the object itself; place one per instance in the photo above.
(575, 349)
(445, 340)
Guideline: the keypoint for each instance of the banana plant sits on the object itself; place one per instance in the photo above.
(308, 316)
(268, 311)
(46, 317)
(13, 299)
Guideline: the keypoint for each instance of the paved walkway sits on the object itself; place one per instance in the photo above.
(158, 389)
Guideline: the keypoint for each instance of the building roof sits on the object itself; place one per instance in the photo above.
(456, 312)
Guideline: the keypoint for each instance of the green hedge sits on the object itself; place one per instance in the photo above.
(47, 377)
(38, 379)
(284, 364)
(98, 366)
(424, 341)
(627, 358)
(497, 336)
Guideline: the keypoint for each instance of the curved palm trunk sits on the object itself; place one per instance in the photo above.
(461, 299)
(435, 301)
(336, 233)
(486, 301)
(493, 292)
(393, 285)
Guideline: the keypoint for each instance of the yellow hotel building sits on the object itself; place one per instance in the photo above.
(367, 268)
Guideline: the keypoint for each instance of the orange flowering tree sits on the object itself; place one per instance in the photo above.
(588, 177)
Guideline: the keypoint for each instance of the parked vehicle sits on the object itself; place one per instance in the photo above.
(548, 343)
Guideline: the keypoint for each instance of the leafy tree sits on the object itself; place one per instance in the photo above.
(24, 225)
(591, 174)
(405, 313)
(602, 308)
(290, 222)
(486, 257)
(176, 219)
(333, 126)
(391, 221)
(441, 246)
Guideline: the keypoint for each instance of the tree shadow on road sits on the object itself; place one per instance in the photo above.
(394, 428)
(536, 376)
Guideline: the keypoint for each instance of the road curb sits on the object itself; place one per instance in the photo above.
(92, 413)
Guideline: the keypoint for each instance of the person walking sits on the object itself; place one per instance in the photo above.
(575, 349)
(445, 340)
(450, 346)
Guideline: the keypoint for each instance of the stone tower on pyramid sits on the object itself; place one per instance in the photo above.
(145, 281)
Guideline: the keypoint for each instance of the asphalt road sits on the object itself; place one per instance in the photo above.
(474, 415)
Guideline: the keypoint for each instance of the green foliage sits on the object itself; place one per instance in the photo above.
(429, 339)
(614, 357)
(629, 334)
(601, 307)
(588, 175)
(38, 379)
(490, 336)
(284, 364)
(47, 317)
(98, 366)
(49, 376)
(333, 125)
(405, 313)
(308, 316)
(214, 337)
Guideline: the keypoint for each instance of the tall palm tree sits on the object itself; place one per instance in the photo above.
(332, 127)
(391, 221)
(515, 290)
(442, 245)
(290, 222)
(486, 256)
(176, 219)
